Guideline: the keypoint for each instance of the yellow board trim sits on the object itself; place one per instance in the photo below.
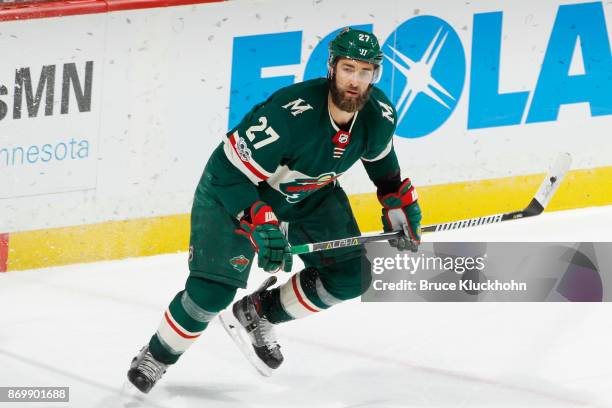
(456, 201)
(440, 203)
(98, 242)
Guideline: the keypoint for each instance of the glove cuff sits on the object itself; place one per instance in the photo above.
(405, 196)
(260, 213)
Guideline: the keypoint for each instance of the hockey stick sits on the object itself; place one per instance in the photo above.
(538, 203)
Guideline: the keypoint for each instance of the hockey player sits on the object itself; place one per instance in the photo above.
(281, 163)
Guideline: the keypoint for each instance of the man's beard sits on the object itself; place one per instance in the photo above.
(345, 103)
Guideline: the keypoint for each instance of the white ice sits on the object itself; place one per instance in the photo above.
(80, 325)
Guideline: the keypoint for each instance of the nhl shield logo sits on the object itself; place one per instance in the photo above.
(341, 139)
(239, 263)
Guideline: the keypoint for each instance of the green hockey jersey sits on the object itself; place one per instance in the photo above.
(288, 147)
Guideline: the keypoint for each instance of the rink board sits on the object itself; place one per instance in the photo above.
(104, 137)
(150, 236)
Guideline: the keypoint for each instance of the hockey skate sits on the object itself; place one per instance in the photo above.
(253, 333)
(145, 370)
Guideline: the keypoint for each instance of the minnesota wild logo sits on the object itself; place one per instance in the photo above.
(299, 188)
(239, 263)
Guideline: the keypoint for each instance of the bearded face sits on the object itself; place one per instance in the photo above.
(350, 86)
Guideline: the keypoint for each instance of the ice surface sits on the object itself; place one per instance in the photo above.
(80, 325)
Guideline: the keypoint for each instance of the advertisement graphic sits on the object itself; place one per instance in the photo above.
(423, 74)
(118, 123)
(425, 70)
(48, 132)
(110, 111)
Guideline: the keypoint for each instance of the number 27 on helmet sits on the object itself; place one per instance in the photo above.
(357, 45)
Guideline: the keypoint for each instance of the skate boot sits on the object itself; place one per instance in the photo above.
(145, 370)
(252, 332)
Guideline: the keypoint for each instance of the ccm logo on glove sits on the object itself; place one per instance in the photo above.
(260, 225)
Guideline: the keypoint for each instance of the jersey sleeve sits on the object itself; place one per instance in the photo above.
(379, 158)
(259, 143)
(381, 128)
(235, 191)
(250, 154)
(384, 173)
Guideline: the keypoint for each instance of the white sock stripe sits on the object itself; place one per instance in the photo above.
(290, 302)
(296, 304)
(171, 338)
(307, 303)
(194, 311)
(183, 331)
(166, 345)
(285, 308)
(324, 295)
(286, 300)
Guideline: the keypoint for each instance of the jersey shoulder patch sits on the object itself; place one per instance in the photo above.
(297, 106)
(380, 119)
(301, 99)
(383, 106)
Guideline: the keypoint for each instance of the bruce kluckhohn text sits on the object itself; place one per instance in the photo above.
(411, 264)
(489, 285)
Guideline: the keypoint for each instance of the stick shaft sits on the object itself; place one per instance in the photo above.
(547, 189)
(343, 243)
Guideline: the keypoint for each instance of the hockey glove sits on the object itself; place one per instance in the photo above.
(260, 226)
(401, 212)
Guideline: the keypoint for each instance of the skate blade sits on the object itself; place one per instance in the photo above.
(239, 335)
(128, 394)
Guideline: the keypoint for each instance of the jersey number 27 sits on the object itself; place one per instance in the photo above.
(272, 136)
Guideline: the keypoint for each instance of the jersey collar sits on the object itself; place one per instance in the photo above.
(335, 126)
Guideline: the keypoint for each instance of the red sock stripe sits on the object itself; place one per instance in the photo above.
(297, 294)
(177, 330)
(4, 246)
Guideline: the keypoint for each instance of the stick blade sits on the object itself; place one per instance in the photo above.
(553, 179)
